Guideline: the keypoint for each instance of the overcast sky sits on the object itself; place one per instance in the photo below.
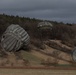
(55, 10)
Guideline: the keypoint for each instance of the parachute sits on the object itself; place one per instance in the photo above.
(45, 25)
(14, 38)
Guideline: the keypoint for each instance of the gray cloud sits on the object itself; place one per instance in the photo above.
(57, 10)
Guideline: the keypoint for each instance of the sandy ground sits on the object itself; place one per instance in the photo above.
(64, 57)
(55, 55)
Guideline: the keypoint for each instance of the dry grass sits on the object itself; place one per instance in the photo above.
(36, 72)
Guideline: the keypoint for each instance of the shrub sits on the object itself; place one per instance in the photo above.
(38, 43)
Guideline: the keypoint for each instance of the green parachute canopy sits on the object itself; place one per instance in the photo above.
(45, 25)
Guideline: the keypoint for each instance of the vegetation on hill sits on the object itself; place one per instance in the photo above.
(60, 31)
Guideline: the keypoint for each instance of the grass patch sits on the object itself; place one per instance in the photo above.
(28, 56)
